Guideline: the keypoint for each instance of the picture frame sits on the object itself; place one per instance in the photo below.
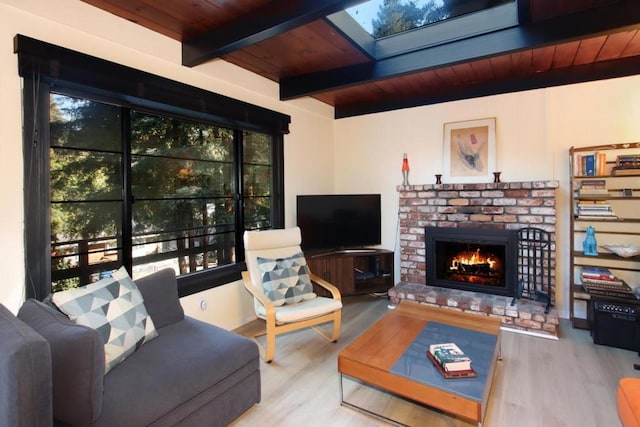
(469, 151)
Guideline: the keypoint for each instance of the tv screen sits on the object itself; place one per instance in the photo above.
(339, 221)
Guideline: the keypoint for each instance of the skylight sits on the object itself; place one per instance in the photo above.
(382, 18)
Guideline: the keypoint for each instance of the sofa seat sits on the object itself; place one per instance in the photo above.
(184, 352)
(629, 402)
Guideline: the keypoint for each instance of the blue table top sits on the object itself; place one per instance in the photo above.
(479, 346)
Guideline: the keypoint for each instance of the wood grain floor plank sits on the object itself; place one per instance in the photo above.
(540, 382)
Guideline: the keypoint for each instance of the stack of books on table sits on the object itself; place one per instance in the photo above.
(600, 281)
(450, 360)
(595, 209)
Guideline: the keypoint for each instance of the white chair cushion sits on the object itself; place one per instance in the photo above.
(269, 244)
(303, 310)
(272, 239)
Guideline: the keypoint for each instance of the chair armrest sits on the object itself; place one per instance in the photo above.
(259, 295)
(335, 292)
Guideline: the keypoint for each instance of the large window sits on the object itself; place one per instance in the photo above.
(160, 194)
(147, 185)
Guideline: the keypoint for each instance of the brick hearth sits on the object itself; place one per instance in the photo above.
(524, 315)
(506, 205)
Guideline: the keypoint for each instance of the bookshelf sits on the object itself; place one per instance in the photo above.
(605, 197)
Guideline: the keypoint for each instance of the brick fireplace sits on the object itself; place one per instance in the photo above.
(484, 207)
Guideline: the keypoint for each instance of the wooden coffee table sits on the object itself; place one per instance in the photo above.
(391, 356)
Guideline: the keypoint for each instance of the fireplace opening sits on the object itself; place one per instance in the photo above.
(479, 260)
(470, 262)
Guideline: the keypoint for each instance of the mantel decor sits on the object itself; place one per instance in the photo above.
(470, 151)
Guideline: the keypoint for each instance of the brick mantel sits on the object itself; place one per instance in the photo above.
(503, 205)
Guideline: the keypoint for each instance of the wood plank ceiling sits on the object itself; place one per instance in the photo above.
(307, 49)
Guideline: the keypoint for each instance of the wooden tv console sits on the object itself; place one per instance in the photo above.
(354, 271)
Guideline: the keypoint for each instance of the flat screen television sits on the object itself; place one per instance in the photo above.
(339, 221)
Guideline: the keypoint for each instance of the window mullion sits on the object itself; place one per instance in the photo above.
(277, 181)
(127, 194)
(238, 154)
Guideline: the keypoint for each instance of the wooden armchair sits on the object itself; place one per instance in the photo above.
(279, 280)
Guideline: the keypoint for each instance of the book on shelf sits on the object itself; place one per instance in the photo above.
(618, 291)
(450, 357)
(593, 192)
(623, 170)
(595, 207)
(596, 211)
(593, 183)
(601, 163)
(593, 204)
(601, 281)
(591, 164)
(631, 164)
(594, 272)
(628, 160)
(598, 217)
(612, 294)
(604, 283)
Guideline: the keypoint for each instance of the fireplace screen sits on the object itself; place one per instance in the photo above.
(479, 260)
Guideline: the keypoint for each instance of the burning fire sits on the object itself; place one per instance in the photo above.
(460, 261)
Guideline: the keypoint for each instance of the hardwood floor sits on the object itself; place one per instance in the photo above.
(540, 382)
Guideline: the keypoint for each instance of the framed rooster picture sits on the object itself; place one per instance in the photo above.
(469, 151)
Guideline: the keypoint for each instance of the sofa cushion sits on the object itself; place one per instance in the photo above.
(186, 366)
(286, 280)
(77, 361)
(114, 307)
(160, 293)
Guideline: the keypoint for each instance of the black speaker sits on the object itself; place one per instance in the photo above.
(616, 325)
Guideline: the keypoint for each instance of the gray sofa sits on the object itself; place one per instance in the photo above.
(193, 373)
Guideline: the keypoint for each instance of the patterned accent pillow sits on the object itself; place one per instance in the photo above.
(114, 307)
(286, 280)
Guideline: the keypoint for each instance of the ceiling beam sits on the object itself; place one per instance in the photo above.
(577, 74)
(270, 20)
(614, 18)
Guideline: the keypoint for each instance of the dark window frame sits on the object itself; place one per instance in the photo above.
(47, 68)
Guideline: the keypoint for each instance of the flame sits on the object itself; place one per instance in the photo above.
(471, 258)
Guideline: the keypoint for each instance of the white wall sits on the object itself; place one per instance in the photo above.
(322, 155)
(534, 130)
(81, 27)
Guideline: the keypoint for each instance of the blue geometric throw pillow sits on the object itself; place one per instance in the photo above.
(286, 280)
(114, 307)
